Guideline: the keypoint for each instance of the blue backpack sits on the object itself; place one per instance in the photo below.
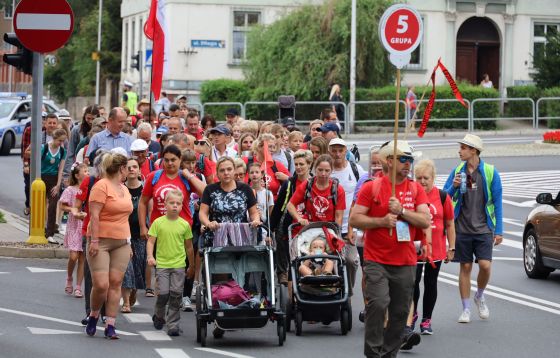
(157, 176)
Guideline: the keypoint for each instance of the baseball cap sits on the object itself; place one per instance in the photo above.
(142, 101)
(220, 129)
(288, 122)
(119, 150)
(44, 114)
(99, 121)
(162, 130)
(138, 145)
(127, 83)
(232, 112)
(63, 113)
(337, 141)
(403, 148)
(473, 141)
(329, 127)
(182, 97)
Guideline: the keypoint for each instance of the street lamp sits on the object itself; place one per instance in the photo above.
(98, 64)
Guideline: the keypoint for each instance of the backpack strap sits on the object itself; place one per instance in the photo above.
(250, 160)
(156, 177)
(288, 158)
(442, 196)
(152, 165)
(308, 189)
(90, 185)
(334, 192)
(354, 167)
(200, 163)
(44, 152)
(274, 167)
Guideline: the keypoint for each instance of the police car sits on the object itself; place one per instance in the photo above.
(15, 113)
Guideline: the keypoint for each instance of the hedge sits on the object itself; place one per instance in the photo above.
(549, 108)
(223, 90)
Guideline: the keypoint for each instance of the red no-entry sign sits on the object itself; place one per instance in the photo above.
(400, 31)
(43, 26)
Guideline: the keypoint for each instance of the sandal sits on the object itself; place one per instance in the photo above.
(78, 292)
(150, 292)
(69, 289)
(26, 211)
(125, 309)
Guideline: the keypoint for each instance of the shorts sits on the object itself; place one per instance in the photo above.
(361, 255)
(479, 246)
(113, 255)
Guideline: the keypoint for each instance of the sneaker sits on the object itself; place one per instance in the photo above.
(85, 321)
(186, 304)
(110, 332)
(174, 332)
(193, 293)
(465, 316)
(91, 326)
(158, 322)
(483, 310)
(426, 327)
(414, 320)
(409, 339)
(52, 240)
(362, 316)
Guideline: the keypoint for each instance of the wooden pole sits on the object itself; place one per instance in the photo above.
(396, 133)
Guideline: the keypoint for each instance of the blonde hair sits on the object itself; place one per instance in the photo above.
(112, 163)
(295, 134)
(334, 89)
(425, 165)
(249, 126)
(239, 163)
(305, 154)
(57, 133)
(316, 121)
(174, 193)
(261, 139)
(224, 159)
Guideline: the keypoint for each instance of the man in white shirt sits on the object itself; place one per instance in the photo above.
(348, 174)
(220, 137)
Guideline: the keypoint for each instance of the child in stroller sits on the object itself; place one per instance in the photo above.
(317, 266)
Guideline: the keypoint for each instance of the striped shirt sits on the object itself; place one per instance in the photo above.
(107, 141)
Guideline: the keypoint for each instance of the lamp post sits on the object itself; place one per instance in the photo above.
(98, 64)
(352, 67)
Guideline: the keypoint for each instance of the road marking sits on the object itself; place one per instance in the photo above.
(35, 330)
(30, 21)
(539, 302)
(514, 233)
(507, 258)
(154, 335)
(224, 353)
(43, 270)
(524, 204)
(3, 272)
(513, 222)
(171, 353)
(138, 317)
(53, 319)
(512, 243)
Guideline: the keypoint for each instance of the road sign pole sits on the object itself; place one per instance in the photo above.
(141, 71)
(98, 64)
(38, 188)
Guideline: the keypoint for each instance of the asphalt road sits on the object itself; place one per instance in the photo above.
(37, 318)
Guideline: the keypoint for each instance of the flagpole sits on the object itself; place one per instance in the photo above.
(396, 133)
(152, 66)
(411, 124)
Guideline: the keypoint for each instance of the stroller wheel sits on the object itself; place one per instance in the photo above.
(218, 333)
(198, 333)
(281, 330)
(299, 322)
(203, 332)
(344, 321)
(288, 317)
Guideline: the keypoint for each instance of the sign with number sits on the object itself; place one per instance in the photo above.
(400, 31)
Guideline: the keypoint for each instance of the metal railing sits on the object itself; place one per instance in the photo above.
(404, 112)
(229, 104)
(502, 100)
(538, 114)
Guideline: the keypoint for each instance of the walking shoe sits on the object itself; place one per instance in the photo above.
(91, 325)
(414, 319)
(465, 317)
(409, 339)
(174, 332)
(85, 320)
(426, 326)
(193, 293)
(186, 305)
(110, 332)
(362, 316)
(158, 322)
(52, 240)
(483, 310)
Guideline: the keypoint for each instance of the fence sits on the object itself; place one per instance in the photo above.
(381, 112)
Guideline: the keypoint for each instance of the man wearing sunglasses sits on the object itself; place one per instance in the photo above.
(391, 223)
(475, 188)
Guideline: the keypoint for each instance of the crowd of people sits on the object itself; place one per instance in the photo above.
(147, 190)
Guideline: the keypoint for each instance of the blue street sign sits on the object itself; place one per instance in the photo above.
(148, 59)
(208, 43)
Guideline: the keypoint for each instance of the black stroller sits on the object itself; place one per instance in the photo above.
(322, 298)
(248, 263)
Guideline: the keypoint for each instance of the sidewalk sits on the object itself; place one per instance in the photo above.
(14, 234)
(520, 131)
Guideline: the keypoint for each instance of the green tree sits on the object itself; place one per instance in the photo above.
(308, 49)
(74, 73)
(547, 66)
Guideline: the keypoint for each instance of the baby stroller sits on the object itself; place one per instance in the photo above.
(322, 298)
(238, 289)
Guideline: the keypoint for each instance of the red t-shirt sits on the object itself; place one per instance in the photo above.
(82, 195)
(270, 180)
(320, 206)
(439, 214)
(158, 192)
(209, 168)
(378, 245)
(145, 169)
(198, 135)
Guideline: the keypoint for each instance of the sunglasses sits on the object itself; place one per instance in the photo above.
(201, 142)
(404, 159)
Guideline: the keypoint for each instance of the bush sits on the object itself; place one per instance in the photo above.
(223, 90)
(551, 108)
(552, 137)
(442, 110)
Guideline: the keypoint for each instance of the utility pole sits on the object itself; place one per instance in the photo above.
(98, 65)
(352, 69)
(141, 73)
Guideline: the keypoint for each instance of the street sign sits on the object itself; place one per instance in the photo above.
(208, 43)
(148, 60)
(400, 31)
(43, 26)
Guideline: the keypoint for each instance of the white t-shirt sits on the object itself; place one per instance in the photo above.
(263, 204)
(348, 181)
(229, 152)
(282, 158)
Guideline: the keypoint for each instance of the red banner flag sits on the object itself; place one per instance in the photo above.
(154, 29)
(452, 84)
(429, 106)
(267, 157)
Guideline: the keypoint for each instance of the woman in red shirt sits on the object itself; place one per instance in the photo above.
(443, 226)
(320, 203)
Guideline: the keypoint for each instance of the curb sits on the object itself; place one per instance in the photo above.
(32, 253)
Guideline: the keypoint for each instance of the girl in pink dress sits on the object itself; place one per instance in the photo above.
(73, 236)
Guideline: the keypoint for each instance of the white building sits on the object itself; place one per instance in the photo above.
(472, 37)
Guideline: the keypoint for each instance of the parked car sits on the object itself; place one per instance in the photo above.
(541, 237)
(15, 112)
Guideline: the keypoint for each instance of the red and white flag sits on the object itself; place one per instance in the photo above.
(155, 29)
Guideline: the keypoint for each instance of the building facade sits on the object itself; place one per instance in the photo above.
(472, 37)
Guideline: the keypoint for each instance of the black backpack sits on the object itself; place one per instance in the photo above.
(334, 190)
(44, 152)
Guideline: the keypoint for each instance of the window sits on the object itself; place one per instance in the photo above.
(133, 39)
(125, 41)
(540, 31)
(416, 62)
(242, 22)
(8, 10)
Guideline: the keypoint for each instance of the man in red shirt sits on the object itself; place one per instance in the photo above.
(139, 150)
(390, 224)
(193, 126)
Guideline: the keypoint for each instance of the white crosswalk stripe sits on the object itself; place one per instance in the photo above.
(524, 185)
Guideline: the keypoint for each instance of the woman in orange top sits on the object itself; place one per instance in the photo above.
(108, 250)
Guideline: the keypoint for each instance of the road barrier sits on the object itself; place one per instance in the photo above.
(229, 104)
(538, 114)
(503, 101)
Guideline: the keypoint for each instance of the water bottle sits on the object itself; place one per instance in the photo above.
(463, 182)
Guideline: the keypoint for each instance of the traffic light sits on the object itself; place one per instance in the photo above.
(135, 61)
(22, 59)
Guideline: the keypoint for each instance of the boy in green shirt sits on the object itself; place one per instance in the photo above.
(174, 237)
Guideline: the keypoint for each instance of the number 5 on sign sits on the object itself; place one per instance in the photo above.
(403, 26)
(400, 31)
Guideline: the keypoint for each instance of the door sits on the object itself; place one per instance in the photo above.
(488, 59)
(466, 63)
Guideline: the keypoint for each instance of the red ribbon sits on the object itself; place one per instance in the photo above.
(429, 106)
(452, 84)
